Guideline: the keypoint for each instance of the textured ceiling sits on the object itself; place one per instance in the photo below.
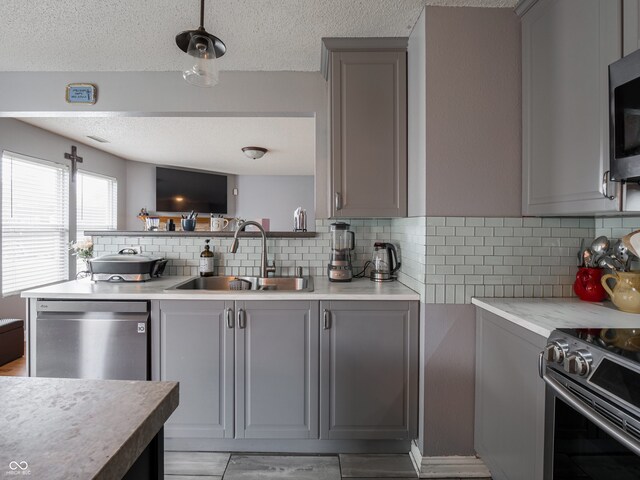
(138, 35)
(205, 143)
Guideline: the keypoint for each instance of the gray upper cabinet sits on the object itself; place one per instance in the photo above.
(510, 399)
(276, 348)
(368, 117)
(196, 349)
(368, 370)
(630, 26)
(566, 49)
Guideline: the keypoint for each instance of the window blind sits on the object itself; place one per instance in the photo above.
(35, 222)
(97, 205)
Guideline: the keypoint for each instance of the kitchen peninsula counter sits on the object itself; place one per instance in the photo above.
(55, 428)
(157, 289)
(543, 315)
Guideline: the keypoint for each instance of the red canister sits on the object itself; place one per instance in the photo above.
(587, 285)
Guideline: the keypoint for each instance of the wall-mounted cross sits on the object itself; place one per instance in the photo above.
(75, 159)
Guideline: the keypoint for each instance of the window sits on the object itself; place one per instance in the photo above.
(35, 222)
(97, 205)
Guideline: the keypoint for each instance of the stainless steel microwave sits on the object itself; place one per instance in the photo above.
(624, 118)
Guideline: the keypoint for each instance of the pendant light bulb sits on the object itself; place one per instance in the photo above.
(202, 68)
(203, 50)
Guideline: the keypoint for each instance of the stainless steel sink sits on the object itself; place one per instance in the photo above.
(284, 284)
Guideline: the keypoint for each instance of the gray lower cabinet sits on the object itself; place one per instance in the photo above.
(368, 370)
(276, 369)
(196, 349)
(510, 396)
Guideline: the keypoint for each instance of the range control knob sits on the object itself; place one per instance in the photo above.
(578, 362)
(556, 351)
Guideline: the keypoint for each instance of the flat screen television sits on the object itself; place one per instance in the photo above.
(185, 190)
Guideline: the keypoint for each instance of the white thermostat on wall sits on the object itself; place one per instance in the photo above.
(84, 93)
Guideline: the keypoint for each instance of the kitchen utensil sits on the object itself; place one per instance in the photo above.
(600, 245)
(342, 242)
(626, 241)
(580, 259)
(218, 223)
(626, 290)
(126, 266)
(619, 251)
(384, 262)
(587, 285)
(300, 220)
(188, 224)
(610, 262)
(587, 258)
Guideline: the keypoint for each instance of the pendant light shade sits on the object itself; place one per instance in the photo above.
(202, 68)
(203, 50)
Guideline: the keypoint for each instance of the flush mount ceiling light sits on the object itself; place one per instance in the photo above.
(203, 50)
(254, 152)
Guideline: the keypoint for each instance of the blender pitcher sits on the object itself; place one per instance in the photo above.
(343, 241)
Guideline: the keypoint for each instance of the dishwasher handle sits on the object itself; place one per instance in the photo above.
(64, 306)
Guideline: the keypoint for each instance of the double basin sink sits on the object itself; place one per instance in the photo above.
(233, 283)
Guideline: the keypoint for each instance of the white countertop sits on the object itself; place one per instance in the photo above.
(358, 289)
(543, 315)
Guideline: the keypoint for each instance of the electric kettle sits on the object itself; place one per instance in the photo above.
(384, 262)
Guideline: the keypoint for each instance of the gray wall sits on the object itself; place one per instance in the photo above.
(26, 139)
(472, 140)
(259, 196)
(141, 192)
(166, 93)
(275, 197)
(473, 112)
(416, 121)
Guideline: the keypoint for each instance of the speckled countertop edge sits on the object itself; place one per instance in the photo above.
(543, 315)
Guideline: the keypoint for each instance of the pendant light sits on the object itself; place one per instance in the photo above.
(203, 50)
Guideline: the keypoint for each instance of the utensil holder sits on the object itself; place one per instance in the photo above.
(188, 224)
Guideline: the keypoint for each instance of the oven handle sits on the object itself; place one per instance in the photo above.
(621, 436)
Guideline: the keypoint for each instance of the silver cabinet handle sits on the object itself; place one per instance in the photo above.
(229, 317)
(326, 317)
(338, 201)
(242, 318)
(624, 438)
(605, 186)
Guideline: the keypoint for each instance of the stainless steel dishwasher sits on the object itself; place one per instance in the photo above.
(92, 339)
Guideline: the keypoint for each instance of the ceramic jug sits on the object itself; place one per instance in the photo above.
(587, 285)
(626, 290)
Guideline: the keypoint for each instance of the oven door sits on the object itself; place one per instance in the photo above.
(582, 442)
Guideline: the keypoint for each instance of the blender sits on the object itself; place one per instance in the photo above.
(343, 241)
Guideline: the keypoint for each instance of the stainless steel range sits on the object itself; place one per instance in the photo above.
(592, 408)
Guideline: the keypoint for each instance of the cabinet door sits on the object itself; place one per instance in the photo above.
(509, 415)
(277, 369)
(567, 47)
(369, 134)
(630, 26)
(369, 370)
(196, 349)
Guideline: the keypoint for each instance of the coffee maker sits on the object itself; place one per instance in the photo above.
(343, 241)
(384, 262)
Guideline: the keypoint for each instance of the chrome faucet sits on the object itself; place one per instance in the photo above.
(265, 269)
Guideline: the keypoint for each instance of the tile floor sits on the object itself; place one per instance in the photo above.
(219, 466)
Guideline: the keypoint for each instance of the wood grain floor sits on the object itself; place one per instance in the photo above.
(17, 368)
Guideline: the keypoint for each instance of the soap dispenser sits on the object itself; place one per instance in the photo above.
(206, 261)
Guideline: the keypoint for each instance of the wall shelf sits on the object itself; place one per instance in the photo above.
(200, 233)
